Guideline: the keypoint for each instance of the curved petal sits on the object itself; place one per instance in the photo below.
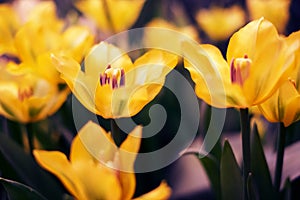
(93, 143)
(8, 26)
(128, 152)
(211, 74)
(283, 105)
(162, 192)
(124, 13)
(104, 54)
(77, 40)
(112, 15)
(33, 39)
(82, 86)
(58, 164)
(153, 65)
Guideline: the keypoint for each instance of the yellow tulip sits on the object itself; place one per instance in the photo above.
(88, 178)
(30, 85)
(111, 16)
(162, 32)
(26, 96)
(111, 85)
(276, 11)
(258, 61)
(219, 23)
(284, 104)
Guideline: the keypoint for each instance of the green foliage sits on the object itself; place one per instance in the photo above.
(19, 191)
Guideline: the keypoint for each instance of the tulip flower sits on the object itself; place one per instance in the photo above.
(88, 178)
(219, 23)
(111, 85)
(111, 16)
(161, 32)
(284, 105)
(31, 87)
(258, 61)
(276, 11)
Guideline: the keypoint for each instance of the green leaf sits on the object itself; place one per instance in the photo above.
(287, 190)
(28, 170)
(230, 174)
(259, 168)
(252, 191)
(19, 191)
(212, 168)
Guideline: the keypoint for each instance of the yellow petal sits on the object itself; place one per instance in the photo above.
(33, 39)
(58, 164)
(283, 105)
(220, 23)
(162, 192)
(9, 23)
(111, 15)
(276, 11)
(104, 54)
(77, 40)
(153, 65)
(128, 152)
(93, 142)
(211, 74)
(82, 86)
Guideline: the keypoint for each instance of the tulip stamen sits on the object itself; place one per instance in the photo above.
(113, 76)
(292, 81)
(9, 58)
(240, 69)
(25, 93)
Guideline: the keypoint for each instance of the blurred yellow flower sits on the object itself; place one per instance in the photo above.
(88, 178)
(161, 32)
(276, 11)
(111, 16)
(31, 86)
(258, 61)
(219, 23)
(284, 104)
(111, 85)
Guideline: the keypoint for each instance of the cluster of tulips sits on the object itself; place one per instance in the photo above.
(44, 59)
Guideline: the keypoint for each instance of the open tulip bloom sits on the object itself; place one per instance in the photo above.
(111, 85)
(88, 178)
(257, 62)
(31, 88)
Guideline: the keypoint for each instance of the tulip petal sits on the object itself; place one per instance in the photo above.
(211, 74)
(162, 192)
(58, 164)
(105, 54)
(128, 152)
(93, 142)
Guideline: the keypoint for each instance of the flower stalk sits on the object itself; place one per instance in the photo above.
(30, 136)
(280, 156)
(245, 125)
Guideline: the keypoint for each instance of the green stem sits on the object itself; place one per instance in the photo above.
(245, 125)
(280, 156)
(29, 133)
(116, 133)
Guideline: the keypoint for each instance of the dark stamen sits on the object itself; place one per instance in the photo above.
(10, 57)
(122, 79)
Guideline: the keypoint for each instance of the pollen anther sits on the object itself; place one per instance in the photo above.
(113, 76)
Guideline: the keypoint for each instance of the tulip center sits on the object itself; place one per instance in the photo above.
(25, 93)
(5, 58)
(113, 76)
(239, 69)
